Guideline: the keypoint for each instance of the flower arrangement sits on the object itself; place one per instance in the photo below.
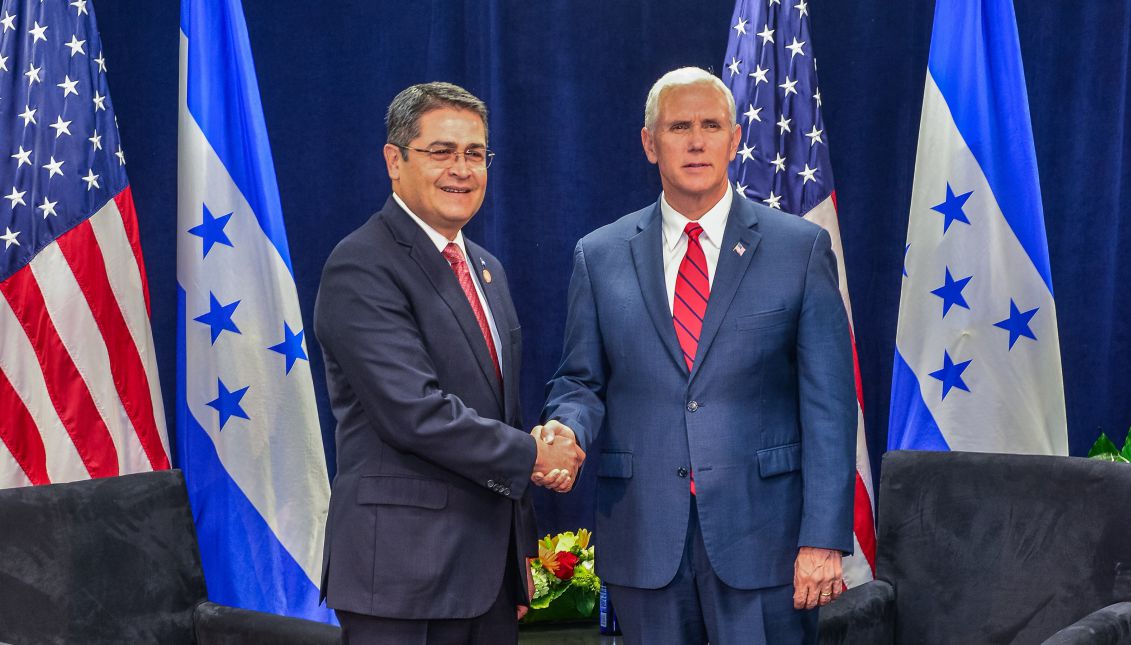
(565, 587)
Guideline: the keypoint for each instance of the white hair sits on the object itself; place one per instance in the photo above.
(679, 78)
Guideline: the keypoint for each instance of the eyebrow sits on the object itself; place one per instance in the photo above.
(452, 144)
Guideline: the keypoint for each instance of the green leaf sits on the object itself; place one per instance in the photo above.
(1126, 452)
(1104, 449)
(585, 601)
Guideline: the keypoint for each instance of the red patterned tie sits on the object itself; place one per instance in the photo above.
(692, 288)
(454, 257)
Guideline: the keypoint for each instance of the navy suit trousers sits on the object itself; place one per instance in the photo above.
(696, 607)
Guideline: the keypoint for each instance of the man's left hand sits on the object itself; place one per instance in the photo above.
(817, 577)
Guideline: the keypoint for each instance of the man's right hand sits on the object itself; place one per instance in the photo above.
(559, 457)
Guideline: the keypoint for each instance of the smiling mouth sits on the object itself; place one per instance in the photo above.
(455, 190)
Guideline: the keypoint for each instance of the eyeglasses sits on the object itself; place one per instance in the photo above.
(478, 158)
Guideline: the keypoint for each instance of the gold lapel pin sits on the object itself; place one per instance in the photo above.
(486, 275)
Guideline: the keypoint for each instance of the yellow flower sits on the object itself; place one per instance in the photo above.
(583, 538)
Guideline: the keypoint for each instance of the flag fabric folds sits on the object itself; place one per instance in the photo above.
(79, 395)
(247, 428)
(977, 360)
(784, 163)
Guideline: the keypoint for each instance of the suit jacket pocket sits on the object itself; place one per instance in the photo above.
(402, 491)
(764, 319)
(615, 464)
(779, 460)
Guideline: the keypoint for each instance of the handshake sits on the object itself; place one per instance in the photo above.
(559, 457)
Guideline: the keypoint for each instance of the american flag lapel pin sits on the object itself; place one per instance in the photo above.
(739, 249)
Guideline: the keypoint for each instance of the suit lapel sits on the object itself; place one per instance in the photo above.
(741, 229)
(443, 279)
(647, 255)
(495, 296)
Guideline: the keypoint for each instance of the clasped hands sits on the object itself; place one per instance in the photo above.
(559, 457)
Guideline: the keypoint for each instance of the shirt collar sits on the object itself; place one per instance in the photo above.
(714, 221)
(435, 236)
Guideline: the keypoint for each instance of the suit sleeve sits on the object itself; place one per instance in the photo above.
(827, 400)
(576, 394)
(365, 321)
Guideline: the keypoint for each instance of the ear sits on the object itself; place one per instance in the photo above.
(393, 160)
(735, 139)
(649, 144)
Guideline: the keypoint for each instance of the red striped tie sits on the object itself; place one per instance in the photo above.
(455, 257)
(692, 288)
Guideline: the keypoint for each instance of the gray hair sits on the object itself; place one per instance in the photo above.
(402, 120)
(679, 78)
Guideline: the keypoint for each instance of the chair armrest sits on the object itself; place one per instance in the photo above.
(1108, 626)
(863, 615)
(222, 625)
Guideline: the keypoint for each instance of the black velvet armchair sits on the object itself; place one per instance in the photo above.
(987, 548)
(116, 561)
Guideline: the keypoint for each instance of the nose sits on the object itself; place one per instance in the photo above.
(697, 140)
(460, 166)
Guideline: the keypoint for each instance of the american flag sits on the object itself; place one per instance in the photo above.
(784, 163)
(79, 396)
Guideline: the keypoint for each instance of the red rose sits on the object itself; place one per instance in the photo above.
(566, 561)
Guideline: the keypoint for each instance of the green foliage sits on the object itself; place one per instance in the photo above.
(1106, 450)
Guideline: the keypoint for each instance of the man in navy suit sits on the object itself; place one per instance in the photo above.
(430, 522)
(707, 342)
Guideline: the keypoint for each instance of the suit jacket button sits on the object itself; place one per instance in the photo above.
(507, 492)
(682, 472)
(692, 406)
(491, 484)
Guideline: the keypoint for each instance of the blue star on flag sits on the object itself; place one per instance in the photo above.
(951, 292)
(951, 208)
(1018, 323)
(219, 317)
(228, 403)
(951, 374)
(211, 230)
(291, 347)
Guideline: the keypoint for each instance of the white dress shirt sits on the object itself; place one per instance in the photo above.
(714, 223)
(441, 243)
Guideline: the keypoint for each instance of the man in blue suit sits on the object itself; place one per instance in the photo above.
(430, 521)
(707, 342)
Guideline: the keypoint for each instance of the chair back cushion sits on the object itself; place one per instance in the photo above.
(991, 548)
(107, 560)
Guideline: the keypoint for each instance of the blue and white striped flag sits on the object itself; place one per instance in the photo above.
(977, 360)
(247, 428)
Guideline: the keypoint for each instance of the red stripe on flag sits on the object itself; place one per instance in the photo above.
(84, 256)
(65, 385)
(862, 523)
(863, 519)
(125, 203)
(20, 434)
(856, 368)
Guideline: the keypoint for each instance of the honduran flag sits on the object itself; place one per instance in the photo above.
(977, 360)
(247, 428)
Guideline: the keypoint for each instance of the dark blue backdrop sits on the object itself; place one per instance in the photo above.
(566, 82)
